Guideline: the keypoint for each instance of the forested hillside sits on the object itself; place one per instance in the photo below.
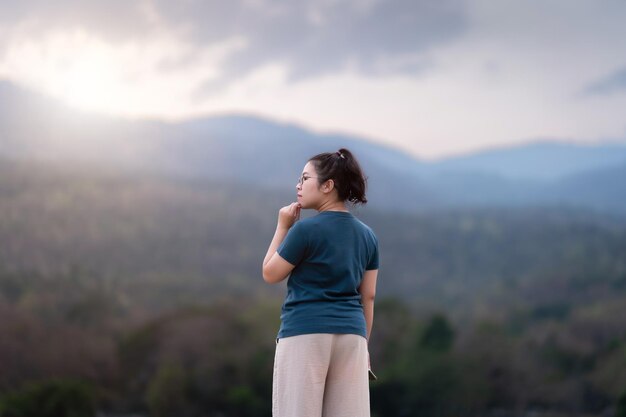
(142, 230)
(147, 290)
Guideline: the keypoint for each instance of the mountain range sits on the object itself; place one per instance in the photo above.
(247, 149)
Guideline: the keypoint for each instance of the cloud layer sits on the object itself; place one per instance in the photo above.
(429, 76)
(308, 37)
(612, 83)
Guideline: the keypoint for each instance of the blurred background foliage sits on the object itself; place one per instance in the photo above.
(144, 297)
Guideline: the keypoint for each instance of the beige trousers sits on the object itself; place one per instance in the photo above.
(321, 375)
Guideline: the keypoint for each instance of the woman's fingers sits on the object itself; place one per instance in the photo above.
(289, 209)
(289, 214)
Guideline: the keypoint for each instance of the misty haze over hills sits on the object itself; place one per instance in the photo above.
(261, 152)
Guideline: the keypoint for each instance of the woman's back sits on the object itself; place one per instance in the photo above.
(331, 252)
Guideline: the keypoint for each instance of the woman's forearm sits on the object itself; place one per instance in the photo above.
(278, 238)
(368, 311)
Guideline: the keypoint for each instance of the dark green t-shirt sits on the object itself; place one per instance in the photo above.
(330, 251)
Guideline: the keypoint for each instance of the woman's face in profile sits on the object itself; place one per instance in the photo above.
(309, 194)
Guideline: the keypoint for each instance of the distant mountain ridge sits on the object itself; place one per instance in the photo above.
(536, 161)
(256, 151)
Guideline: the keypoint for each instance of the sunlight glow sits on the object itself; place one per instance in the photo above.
(90, 83)
(135, 79)
(72, 66)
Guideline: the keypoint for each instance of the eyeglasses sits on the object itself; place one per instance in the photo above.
(302, 178)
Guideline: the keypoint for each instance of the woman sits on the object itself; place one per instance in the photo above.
(331, 259)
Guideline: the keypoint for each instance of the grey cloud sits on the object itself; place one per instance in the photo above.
(313, 38)
(114, 20)
(614, 82)
(400, 29)
(310, 37)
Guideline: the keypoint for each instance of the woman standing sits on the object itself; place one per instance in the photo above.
(331, 259)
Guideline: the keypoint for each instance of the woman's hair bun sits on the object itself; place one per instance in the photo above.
(345, 171)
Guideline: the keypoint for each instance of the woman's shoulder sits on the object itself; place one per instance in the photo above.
(307, 221)
(366, 227)
(305, 224)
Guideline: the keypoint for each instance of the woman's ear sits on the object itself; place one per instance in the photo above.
(328, 186)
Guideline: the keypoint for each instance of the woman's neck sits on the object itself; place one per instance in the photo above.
(332, 206)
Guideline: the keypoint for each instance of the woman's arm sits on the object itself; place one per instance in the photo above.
(368, 293)
(275, 268)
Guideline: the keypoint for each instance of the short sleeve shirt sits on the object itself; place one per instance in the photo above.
(330, 251)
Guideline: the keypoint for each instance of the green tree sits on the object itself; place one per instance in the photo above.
(438, 334)
(167, 392)
(51, 398)
(620, 409)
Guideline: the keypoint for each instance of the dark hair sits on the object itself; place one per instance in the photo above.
(345, 171)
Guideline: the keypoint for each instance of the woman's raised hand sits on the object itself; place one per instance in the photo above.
(288, 215)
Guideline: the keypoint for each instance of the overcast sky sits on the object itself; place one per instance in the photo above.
(435, 78)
